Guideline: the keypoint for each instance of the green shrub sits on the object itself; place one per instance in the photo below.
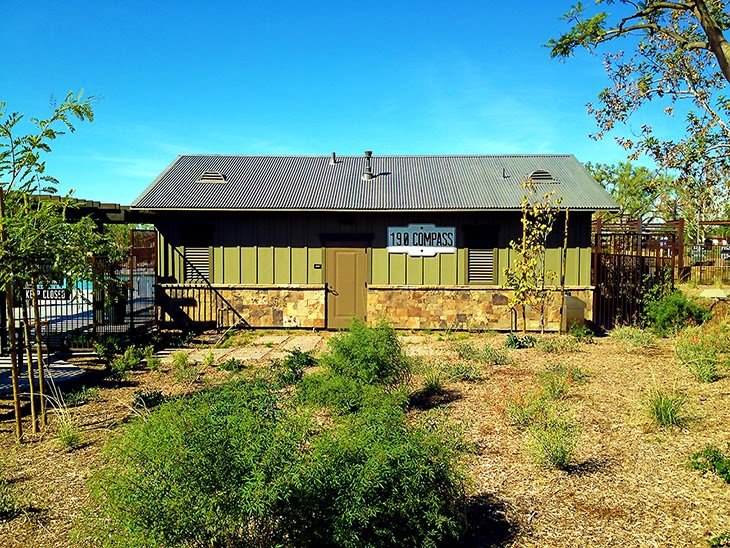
(522, 412)
(520, 341)
(633, 337)
(712, 459)
(108, 347)
(553, 441)
(183, 368)
(702, 353)
(121, 365)
(666, 409)
(81, 396)
(554, 384)
(557, 345)
(489, 354)
(232, 364)
(582, 333)
(9, 505)
(326, 388)
(672, 312)
(290, 370)
(232, 466)
(208, 359)
(153, 363)
(211, 469)
(376, 481)
(372, 355)
(719, 541)
(464, 371)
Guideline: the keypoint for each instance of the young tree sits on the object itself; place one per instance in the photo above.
(676, 58)
(32, 241)
(527, 275)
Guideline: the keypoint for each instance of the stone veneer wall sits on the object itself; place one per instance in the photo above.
(460, 307)
(406, 307)
(260, 306)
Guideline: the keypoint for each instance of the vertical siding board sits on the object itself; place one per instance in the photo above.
(265, 253)
(448, 269)
(431, 267)
(397, 270)
(414, 270)
(379, 259)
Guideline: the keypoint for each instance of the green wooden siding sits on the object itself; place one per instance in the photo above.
(285, 248)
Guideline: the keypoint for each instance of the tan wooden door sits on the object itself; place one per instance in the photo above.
(346, 275)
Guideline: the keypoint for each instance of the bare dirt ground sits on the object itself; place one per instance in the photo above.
(629, 485)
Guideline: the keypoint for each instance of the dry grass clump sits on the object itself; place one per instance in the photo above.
(632, 337)
(704, 351)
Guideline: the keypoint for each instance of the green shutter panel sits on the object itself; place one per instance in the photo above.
(481, 266)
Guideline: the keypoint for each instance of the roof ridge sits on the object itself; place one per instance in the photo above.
(217, 155)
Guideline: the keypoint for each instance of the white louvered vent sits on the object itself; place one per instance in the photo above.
(211, 177)
(481, 266)
(197, 264)
(542, 176)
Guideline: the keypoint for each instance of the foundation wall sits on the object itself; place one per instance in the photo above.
(405, 307)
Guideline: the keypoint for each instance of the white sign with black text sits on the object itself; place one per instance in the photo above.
(421, 240)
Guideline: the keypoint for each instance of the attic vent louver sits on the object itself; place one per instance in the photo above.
(542, 176)
(211, 177)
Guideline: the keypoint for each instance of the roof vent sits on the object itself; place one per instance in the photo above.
(368, 175)
(211, 177)
(333, 160)
(542, 176)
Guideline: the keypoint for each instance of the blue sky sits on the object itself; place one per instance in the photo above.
(421, 77)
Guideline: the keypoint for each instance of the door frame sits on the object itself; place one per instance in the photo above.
(357, 241)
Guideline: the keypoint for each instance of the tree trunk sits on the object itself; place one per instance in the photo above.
(13, 361)
(39, 351)
(29, 360)
(718, 45)
(12, 342)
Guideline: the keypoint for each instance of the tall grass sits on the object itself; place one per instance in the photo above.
(666, 408)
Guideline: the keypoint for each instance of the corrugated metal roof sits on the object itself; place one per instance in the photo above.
(409, 183)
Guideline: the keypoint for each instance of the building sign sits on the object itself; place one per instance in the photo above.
(421, 240)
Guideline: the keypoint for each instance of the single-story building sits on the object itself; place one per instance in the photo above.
(312, 241)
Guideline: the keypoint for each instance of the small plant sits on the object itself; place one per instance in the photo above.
(520, 341)
(82, 396)
(147, 400)
(557, 345)
(464, 371)
(582, 333)
(523, 412)
(9, 504)
(232, 364)
(672, 312)
(108, 347)
(702, 353)
(554, 384)
(712, 459)
(553, 441)
(290, 370)
(666, 409)
(719, 541)
(67, 431)
(494, 356)
(633, 337)
(183, 369)
(466, 351)
(121, 365)
(432, 384)
(208, 359)
(153, 363)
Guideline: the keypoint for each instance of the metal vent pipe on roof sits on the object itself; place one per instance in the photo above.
(368, 166)
(333, 160)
